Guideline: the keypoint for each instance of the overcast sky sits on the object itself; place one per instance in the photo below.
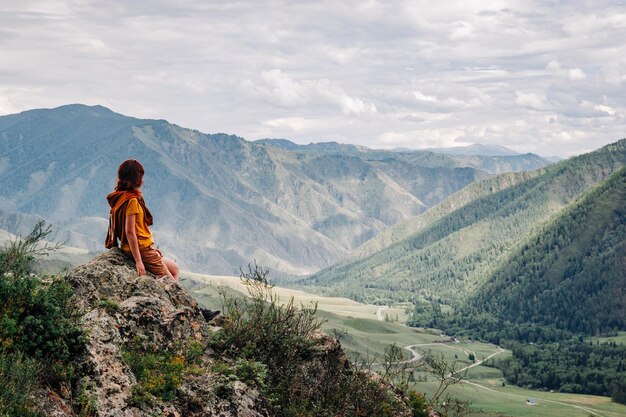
(537, 76)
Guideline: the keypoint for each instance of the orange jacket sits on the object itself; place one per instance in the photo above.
(118, 200)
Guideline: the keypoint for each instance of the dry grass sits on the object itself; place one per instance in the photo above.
(338, 305)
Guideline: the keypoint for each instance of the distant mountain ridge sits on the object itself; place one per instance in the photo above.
(293, 210)
(491, 159)
(476, 149)
(332, 147)
(479, 149)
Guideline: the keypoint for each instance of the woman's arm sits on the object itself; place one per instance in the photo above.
(131, 236)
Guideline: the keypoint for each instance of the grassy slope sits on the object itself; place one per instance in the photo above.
(620, 339)
(338, 305)
(511, 401)
(452, 253)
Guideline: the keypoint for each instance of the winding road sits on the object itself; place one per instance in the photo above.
(416, 356)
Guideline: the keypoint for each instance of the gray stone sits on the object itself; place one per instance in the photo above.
(117, 308)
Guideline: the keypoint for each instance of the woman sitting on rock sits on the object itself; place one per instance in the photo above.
(129, 220)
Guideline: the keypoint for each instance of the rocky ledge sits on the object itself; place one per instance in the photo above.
(116, 309)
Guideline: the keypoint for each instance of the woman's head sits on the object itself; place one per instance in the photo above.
(129, 175)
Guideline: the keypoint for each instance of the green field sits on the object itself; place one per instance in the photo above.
(491, 399)
(366, 337)
(620, 339)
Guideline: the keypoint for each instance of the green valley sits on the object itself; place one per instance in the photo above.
(366, 338)
(533, 262)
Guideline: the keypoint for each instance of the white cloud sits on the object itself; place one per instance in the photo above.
(606, 109)
(576, 74)
(375, 73)
(278, 88)
(531, 101)
(423, 97)
(293, 124)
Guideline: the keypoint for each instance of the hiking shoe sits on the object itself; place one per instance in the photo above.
(209, 314)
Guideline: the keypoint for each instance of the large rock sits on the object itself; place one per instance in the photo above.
(119, 308)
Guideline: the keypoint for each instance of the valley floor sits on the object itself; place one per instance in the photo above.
(366, 331)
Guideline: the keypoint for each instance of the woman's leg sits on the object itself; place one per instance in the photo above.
(172, 266)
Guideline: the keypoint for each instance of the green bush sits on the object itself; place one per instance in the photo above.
(36, 317)
(19, 378)
(250, 372)
(298, 377)
(39, 335)
(159, 373)
(418, 404)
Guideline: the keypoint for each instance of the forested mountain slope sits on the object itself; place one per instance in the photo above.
(233, 200)
(409, 227)
(570, 275)
(456, 249)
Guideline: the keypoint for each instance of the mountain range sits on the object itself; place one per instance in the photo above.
(220, 201)
(476, 149)
(452, 251)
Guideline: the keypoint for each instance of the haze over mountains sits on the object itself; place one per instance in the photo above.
(220, 201)
(476, 149)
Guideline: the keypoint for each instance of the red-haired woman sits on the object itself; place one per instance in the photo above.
(129, 220)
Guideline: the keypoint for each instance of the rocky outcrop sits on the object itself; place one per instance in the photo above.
(117, 309)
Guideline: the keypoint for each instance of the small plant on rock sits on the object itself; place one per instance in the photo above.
(110, 306)
(159, 373)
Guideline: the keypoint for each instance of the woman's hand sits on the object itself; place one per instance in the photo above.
(141, 270)
(131, 236)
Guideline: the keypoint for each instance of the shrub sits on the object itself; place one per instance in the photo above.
(19, 378)
(159, 373)
(36, 318)
(418, 404)
(250, 372)
(298, 378)
(39, 335)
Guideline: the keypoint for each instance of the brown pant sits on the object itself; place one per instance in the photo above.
(152, 260)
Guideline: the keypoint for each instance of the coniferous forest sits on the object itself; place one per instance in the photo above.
(565, 282)
(573, 366)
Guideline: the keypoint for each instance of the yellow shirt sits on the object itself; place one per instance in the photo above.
(144, 236)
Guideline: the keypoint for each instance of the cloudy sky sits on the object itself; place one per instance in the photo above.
(538, 76)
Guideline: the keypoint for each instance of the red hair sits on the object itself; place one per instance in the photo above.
(129, 175)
